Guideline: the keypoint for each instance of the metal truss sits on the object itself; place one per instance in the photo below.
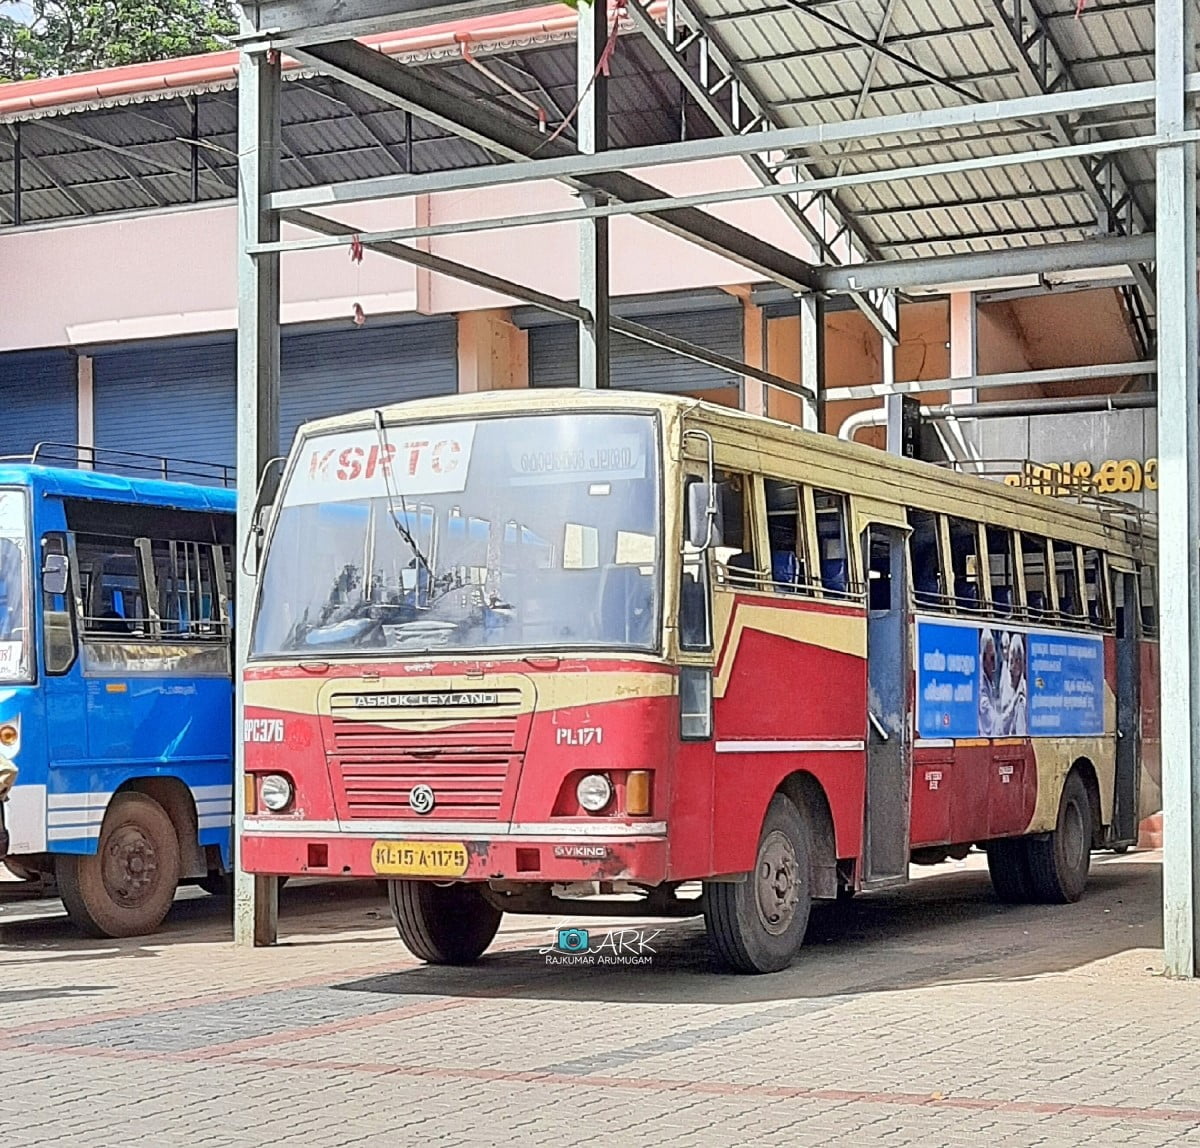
(1041, 64)
(731, 102)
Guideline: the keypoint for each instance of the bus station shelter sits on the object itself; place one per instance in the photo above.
(911, 145)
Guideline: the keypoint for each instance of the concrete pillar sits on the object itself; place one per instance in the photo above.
(493, 355)
(964, 344)
(85, 407)
(756, 397)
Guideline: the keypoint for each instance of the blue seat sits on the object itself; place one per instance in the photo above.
(741, 567)
(833, 574)
(966, 592)
(1002, 596)
(785, 570)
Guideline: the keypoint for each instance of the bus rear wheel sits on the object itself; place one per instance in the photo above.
(443, 924)
(126, 888)
(1008, 867)
(1059, 862)
(758, 926)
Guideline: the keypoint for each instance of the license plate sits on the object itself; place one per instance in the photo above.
(419, 858)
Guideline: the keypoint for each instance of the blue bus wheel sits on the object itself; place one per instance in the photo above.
(126, 888)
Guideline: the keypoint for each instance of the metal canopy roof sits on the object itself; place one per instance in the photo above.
(687, 70)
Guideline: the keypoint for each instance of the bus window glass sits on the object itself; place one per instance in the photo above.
(1002, 570)
(1033, 561)
(58, 615)
(15, 575)
(1066, 577)
(1093, 594)
(831, 538)
(1149, 588)
(453, 536)
(187, 603)
(925, 554)
(110, 576)
(735, 555)
(695, 629)
(785, 534)
(964, 563)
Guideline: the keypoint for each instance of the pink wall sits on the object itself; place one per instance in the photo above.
(174, 272)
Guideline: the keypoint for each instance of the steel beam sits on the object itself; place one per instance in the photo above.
(255, 913)
(591, 125)
(455, 107)
(567, 309)
(1179, 492)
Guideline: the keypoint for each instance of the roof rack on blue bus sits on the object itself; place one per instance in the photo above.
(127, 462)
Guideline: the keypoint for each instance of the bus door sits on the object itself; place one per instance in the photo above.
(889, 731)
(1126, 603)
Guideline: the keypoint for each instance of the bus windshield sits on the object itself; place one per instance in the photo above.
(529, 532)
(14, 581)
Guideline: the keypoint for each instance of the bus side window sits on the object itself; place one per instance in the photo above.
(925, 554)
(1066, 577)
(1033, 561)
(115, 596)
(1149, 587)
(187, 604)
(786, 536)
(1002, 570)
(964, 563)
(831, 538)
(58, 616)
(735, 555)
(1093, 589)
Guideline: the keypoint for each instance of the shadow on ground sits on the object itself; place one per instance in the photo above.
(942, 930)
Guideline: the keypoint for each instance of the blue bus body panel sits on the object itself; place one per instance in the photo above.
(85, 733)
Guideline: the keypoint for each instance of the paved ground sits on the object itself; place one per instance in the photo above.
(927, 1016)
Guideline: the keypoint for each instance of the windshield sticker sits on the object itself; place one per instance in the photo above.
(12, 513)
(412, 460)
(10, 657)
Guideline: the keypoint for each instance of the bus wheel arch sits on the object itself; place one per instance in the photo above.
(1087, 772)
(125, 888)
(179, 805)
(809, 797)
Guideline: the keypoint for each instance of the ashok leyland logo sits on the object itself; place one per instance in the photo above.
(575, 946)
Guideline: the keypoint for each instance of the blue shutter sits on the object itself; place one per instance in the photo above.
(173, 401)
(38, 399)
(554, 353)
(337, 371)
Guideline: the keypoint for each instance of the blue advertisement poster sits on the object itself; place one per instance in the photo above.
(979, 680)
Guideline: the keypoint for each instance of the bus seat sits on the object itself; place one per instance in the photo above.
(785, 570)
(741, 568)
(833, 574)
(925, 585)
(1037, 601)
(1002, 596)
(966, 592)
(626, 598)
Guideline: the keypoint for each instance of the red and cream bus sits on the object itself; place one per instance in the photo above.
(539, 651)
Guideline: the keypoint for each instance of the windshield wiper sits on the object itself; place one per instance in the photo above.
(386, 455)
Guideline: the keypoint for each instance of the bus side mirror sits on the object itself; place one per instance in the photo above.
(704, 522)
(54, 574)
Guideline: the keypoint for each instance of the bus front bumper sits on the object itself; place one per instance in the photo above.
(641, 857)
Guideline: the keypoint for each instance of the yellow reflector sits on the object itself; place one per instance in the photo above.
(8, 735)
(251, 794)
(637, 792)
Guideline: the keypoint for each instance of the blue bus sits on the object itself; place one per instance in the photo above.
(116, 698)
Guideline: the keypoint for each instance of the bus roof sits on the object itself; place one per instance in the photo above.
(863, 470)
(90, 485)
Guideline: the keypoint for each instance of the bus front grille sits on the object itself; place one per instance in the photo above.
(465, 787)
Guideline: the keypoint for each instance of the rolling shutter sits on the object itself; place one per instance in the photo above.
(337, 371)
(38, 400)
(554, 353)
(170, 401)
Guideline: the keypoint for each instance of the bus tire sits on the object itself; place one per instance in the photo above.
(758, 926)
(221, 884)
(1059, 861)
(125, 889)
(1008, 867)
(443, 924)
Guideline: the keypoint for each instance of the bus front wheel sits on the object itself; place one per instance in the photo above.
(758, 926)
(443, 924)
(126, 888)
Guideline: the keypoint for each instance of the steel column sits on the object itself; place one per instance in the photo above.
(1179, 490)
(255, 915)
(592, 136)
(812, 361)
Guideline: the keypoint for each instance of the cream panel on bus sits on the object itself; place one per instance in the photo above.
(25, 819)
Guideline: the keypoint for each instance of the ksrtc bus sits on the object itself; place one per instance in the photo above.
(516, 652)
(116, 705)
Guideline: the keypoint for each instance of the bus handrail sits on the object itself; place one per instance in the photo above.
(112, 460)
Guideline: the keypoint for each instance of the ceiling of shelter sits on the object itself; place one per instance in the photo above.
(798, 62)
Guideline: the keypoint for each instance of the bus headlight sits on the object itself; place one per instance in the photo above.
(276, 792)
(594, 792)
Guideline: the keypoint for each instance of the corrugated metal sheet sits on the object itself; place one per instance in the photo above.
(37, 400)
(554, 353)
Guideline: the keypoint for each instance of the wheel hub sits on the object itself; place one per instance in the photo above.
(777, 883)
(130, 866)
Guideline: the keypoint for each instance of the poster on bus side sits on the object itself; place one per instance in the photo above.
(987, 680)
